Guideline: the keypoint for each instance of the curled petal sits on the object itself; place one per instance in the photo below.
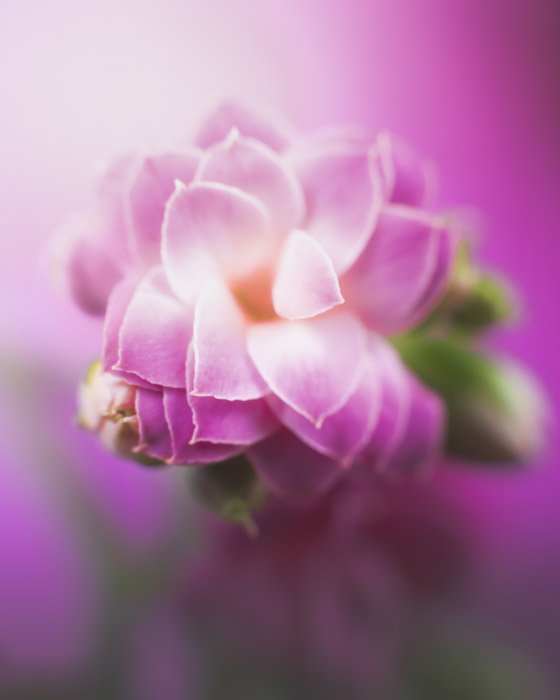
(388, 282)
(116, 309)
(439, 278)
(222, 368)
(394, 408)
(305, 284)
(408, 179)
(291, 469)
(179, 418)
(233, 115)
(211, 228)
(422, 436)
(155, 333)
(343, 196)
(151, 187)
(258, 170)
(84, 263)
(305, 363)
(154, 435)
(344, 433)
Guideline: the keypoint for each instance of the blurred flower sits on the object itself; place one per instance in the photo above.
(246, 285)
(496, 411)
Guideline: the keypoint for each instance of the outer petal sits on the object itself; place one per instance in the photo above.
(208, 229)
(408, 179)
(387, 282)
(154, 435)
(305, 284)
(223, 368)
(116, 309)
(111, 198)
(439, 278)
(155, 334)
(422, 436)
(312, 365)
(258, 170)
(291, 469)
(344, 433)
(394, 408)
(153, 184)
(180, 420)
(230, 115)
(84, 263)
(343, 196)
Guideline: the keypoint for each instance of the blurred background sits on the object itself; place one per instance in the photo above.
(112, 583)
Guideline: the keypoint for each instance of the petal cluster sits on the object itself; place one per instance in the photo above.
(247, 286)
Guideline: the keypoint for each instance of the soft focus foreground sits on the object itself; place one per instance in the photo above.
(112, 585)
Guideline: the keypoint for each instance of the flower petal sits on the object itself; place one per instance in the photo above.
(230, 115)
(387, 282)
(344, 433)
(180, 420)
(116, 309)
(394, 408)
(234, 422)
(154, 435)
(155, 333)
(211, 228)
(223, 368)
(305, 363)
(258, 170)
(83, 262)
(153, 184)
(408, 179)
(306, 284)
(422, 437)
(343, 196)
(291, 469)
(439, 278)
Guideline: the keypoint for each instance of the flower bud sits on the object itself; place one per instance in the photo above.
(106, 407)
(496, 412)
(474, 300)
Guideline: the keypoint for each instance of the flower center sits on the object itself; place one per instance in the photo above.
(254, 295)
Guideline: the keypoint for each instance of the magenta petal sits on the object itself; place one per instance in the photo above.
(421, 439)
(234, 422)
(111, 206)
(291, 469)
(151, 187)
(210, 228)
(388, 280)
(344, 433)
(439, 279)
(256, 169)
(155, 333)
(85, 261)
(230, 115)
(312, 365)
(180, 420)
(154, 435)
(305, 284)
(394, 408)
(223, 368)
(343, 197)
(408, 179)
(116, 309)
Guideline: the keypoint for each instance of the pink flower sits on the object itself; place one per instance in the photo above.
(247, 284)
